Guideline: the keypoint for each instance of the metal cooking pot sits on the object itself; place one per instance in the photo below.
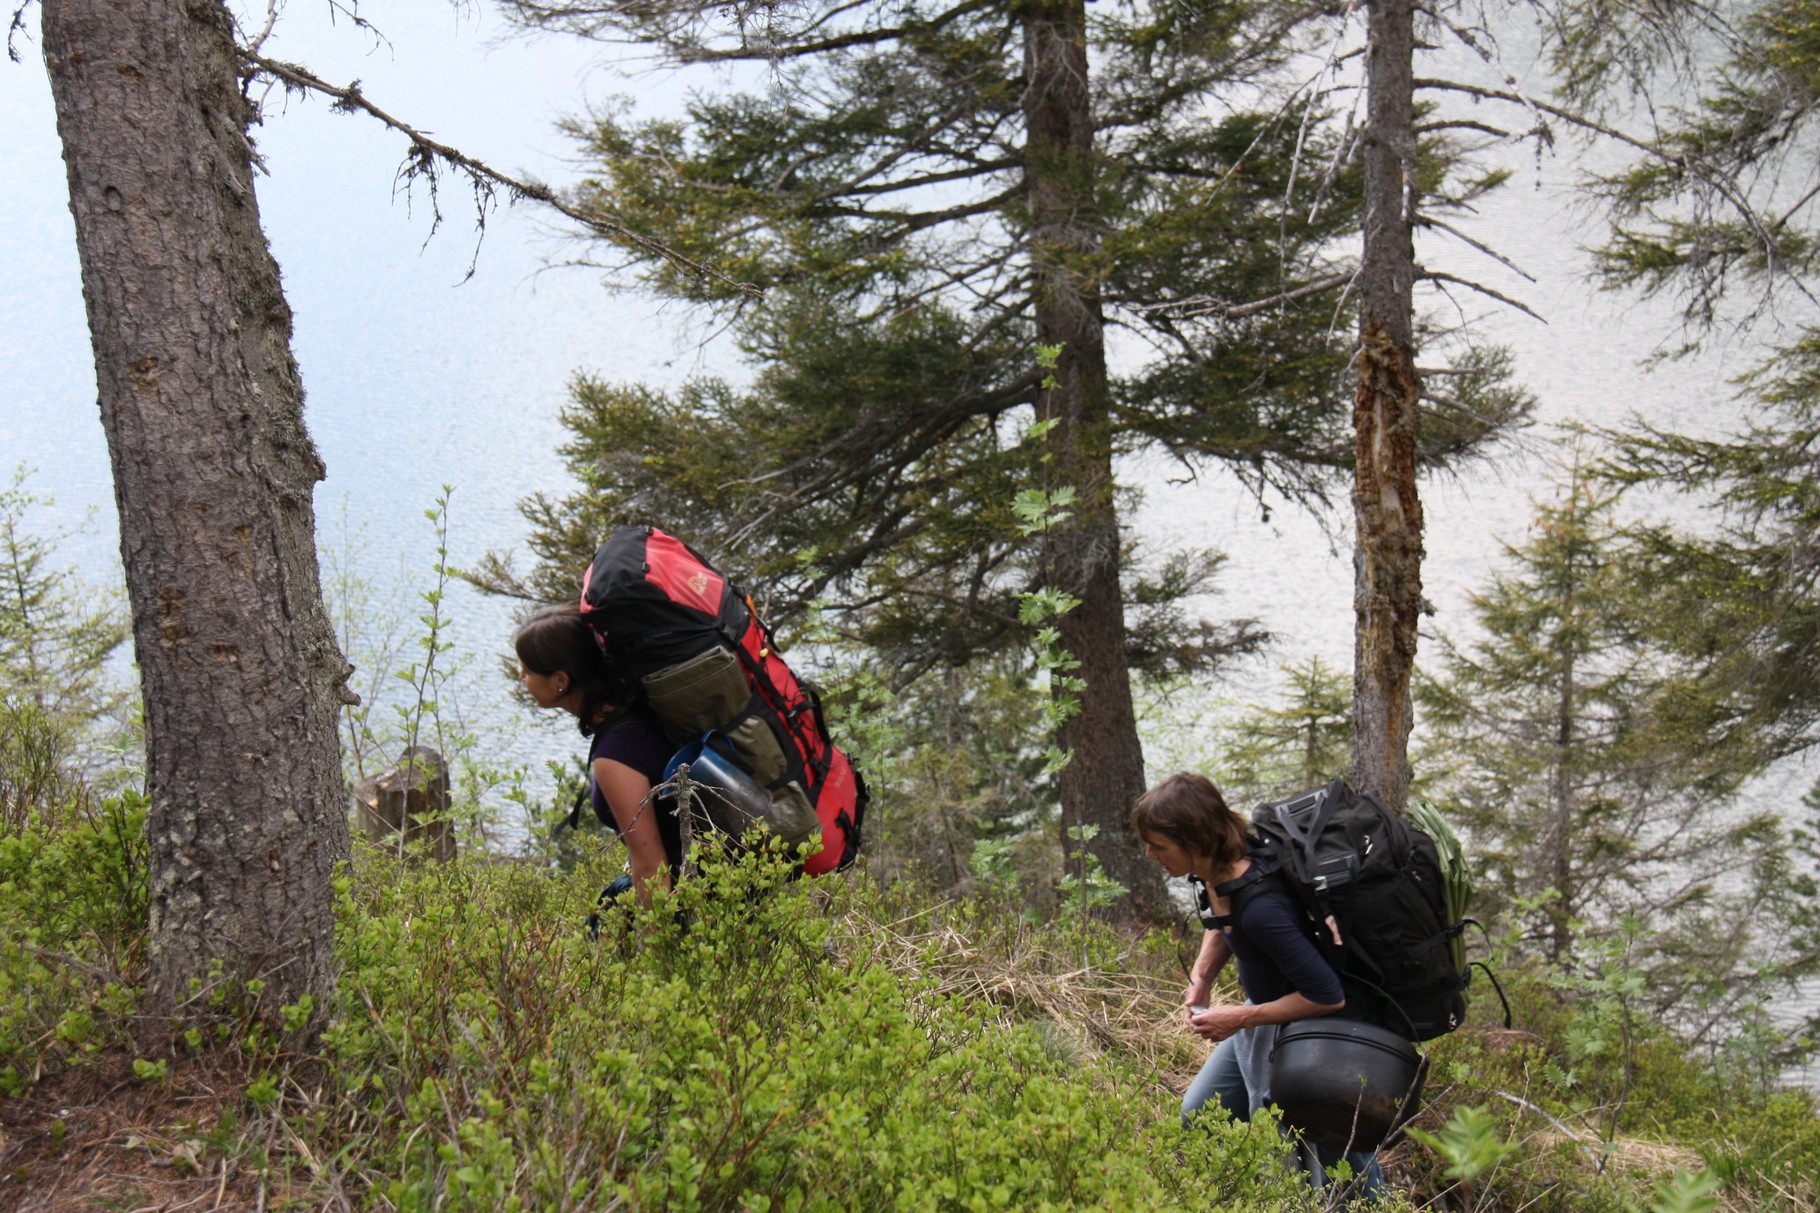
(1343, 1083)
(730, 798)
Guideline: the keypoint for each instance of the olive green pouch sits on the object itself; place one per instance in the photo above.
(757, 747)
(792, 818)
(702, 693)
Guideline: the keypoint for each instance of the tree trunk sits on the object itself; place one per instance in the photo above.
(213, 476)
(1107, 772)
(1558, 842)
(1387, 557)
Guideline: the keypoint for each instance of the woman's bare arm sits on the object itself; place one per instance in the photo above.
(634, 809)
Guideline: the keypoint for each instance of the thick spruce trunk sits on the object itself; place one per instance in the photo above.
(213, 476)
(1387, 557)
(1107, 771)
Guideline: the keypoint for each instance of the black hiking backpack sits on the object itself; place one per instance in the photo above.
(1388, 914)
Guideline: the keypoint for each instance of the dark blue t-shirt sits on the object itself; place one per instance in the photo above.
(632, 736)
(1274, 944)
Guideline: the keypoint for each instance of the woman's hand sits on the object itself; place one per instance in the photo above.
(1214, 953)
(1217, 1023)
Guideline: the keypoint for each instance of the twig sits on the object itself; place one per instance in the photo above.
(1495, 255)
(425, 152)
(72, 962)
(1206, 305)
(1565, 1131)
(271, 20)
(1728, 188)
(1437, 276)
(16, 28)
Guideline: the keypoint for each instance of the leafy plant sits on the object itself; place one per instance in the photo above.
(1470, 1143)
(1686, 1192)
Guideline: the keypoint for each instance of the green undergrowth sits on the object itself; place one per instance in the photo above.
(759, 1057)
(827, 1044)
(72, 937)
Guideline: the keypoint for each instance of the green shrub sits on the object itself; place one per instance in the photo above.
(752, 1060)
(72, 931)
(808, 1045)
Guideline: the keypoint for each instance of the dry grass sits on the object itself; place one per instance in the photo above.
(1131, 1009)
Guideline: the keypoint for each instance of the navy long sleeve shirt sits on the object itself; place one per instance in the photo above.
(1275, 947)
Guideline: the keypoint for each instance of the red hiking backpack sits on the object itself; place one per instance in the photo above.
(708, 664)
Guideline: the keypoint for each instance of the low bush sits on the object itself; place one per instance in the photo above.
(765, 1056)
(72, 934)
(796, 1045)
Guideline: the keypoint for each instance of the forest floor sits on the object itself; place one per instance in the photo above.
(97, 1137)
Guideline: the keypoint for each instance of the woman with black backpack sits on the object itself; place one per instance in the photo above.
(562, 667)
(1186, 826)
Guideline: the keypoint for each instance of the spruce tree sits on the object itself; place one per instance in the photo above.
(57, 628)
(57, 632)
(214, 471)
(1304, 742)
(946, 207)
(1596, 772)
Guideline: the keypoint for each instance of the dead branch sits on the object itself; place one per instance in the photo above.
(426, 154)
(1500, 258)
(1436, 276)
(1203, 305)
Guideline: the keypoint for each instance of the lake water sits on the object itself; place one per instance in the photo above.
(421, 376)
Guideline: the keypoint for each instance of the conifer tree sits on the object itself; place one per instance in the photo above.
(57, 629)
(214, 470)
(1720, 209)
(1596, 773)
(1720, 206)
(1303, 743)
(947, 206)
(1386, 502)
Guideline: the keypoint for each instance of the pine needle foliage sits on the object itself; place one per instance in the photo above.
(878, 187)
(57, 628)
(60, 709)
(1718, 209)
(1596, 774)
(1303, 742)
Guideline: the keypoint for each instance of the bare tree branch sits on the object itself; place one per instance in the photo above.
(1204, 306)
(1500, 258)
(15, 29)
(1437, 276)
(426, 153)
(768, 51)
(1727, 186)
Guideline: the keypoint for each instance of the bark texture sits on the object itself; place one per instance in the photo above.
(213, 476)
(1107, 773)
(1387, 556)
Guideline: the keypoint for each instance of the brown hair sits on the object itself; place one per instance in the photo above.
(1189, 811)
(558, 638)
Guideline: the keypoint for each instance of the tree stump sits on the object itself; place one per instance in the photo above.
(409, 804)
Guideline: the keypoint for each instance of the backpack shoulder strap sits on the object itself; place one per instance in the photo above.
(1262, 877)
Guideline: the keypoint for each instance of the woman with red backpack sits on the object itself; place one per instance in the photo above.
(561, 667)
